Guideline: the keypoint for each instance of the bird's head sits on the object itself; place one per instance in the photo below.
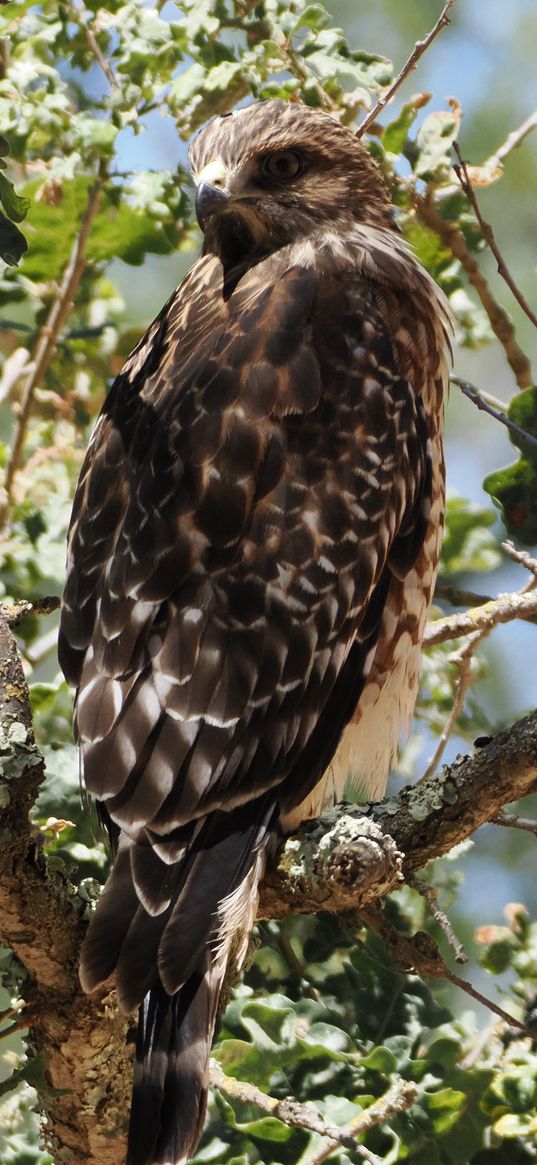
(273, 173)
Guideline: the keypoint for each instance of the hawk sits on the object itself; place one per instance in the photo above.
(252, 553)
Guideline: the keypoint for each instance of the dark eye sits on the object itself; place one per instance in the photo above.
(283, 166)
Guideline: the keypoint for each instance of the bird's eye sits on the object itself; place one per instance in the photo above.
(283, 166)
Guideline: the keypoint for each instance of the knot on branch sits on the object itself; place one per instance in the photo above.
(355, 853)
(335, 862)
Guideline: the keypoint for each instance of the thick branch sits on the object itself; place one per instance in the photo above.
(351, 856)
(41, 920)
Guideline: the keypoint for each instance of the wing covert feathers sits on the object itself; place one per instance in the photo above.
(251, 556)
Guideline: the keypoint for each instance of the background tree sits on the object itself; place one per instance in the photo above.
(392, 1064)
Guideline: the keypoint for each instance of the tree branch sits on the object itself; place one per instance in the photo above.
(501, 610)
(419, 953)
(354, 855)
(488, 234)
(463, 659)
(473, 394)
(42, 921)
(303, 1116)
(499, 320)
(81, 16)
(47, 339)
(512, 141)
(14, 612)
(399, 1097)
(419, 49)
(513, 821)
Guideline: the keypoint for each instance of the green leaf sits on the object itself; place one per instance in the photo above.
(125, 233)
(431, 251)
(120, 231)
(15, 206)
(468, 542)
(94, 134)
(187, 85)
(444, 1108)
(515, 488)
(396, 132)
(497, 957)
(267, 1128)
(268, 1024)
(523, 411)
(516, 1125)
(12, 242)
(313, 16)
(434, 140)
(382, 1060)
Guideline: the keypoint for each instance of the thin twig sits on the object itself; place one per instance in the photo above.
(474, 395)
(492, 167)
(28, 1016)
(469, 989)
(399, 1097)
(47, 338)
(420, 953)
(93, 44)
(503, 609)
(498, 318)
(419, 49)
(522, 558)
(290, 1111)
(430, 893)
(486, 230)
(301, 71)
(296, 966)
(463, 661)
(512, 141)
(512, 821)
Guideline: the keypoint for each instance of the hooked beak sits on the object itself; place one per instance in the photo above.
(210, 200)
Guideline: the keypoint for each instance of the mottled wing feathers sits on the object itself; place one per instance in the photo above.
(220, 560)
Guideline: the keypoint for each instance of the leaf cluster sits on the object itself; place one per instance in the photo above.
(334, 1022)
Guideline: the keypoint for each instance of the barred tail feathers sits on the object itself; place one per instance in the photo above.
(169, 1095)
(175, 1033)
(173, 964)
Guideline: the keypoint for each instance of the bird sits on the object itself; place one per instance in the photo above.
(251, 557)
